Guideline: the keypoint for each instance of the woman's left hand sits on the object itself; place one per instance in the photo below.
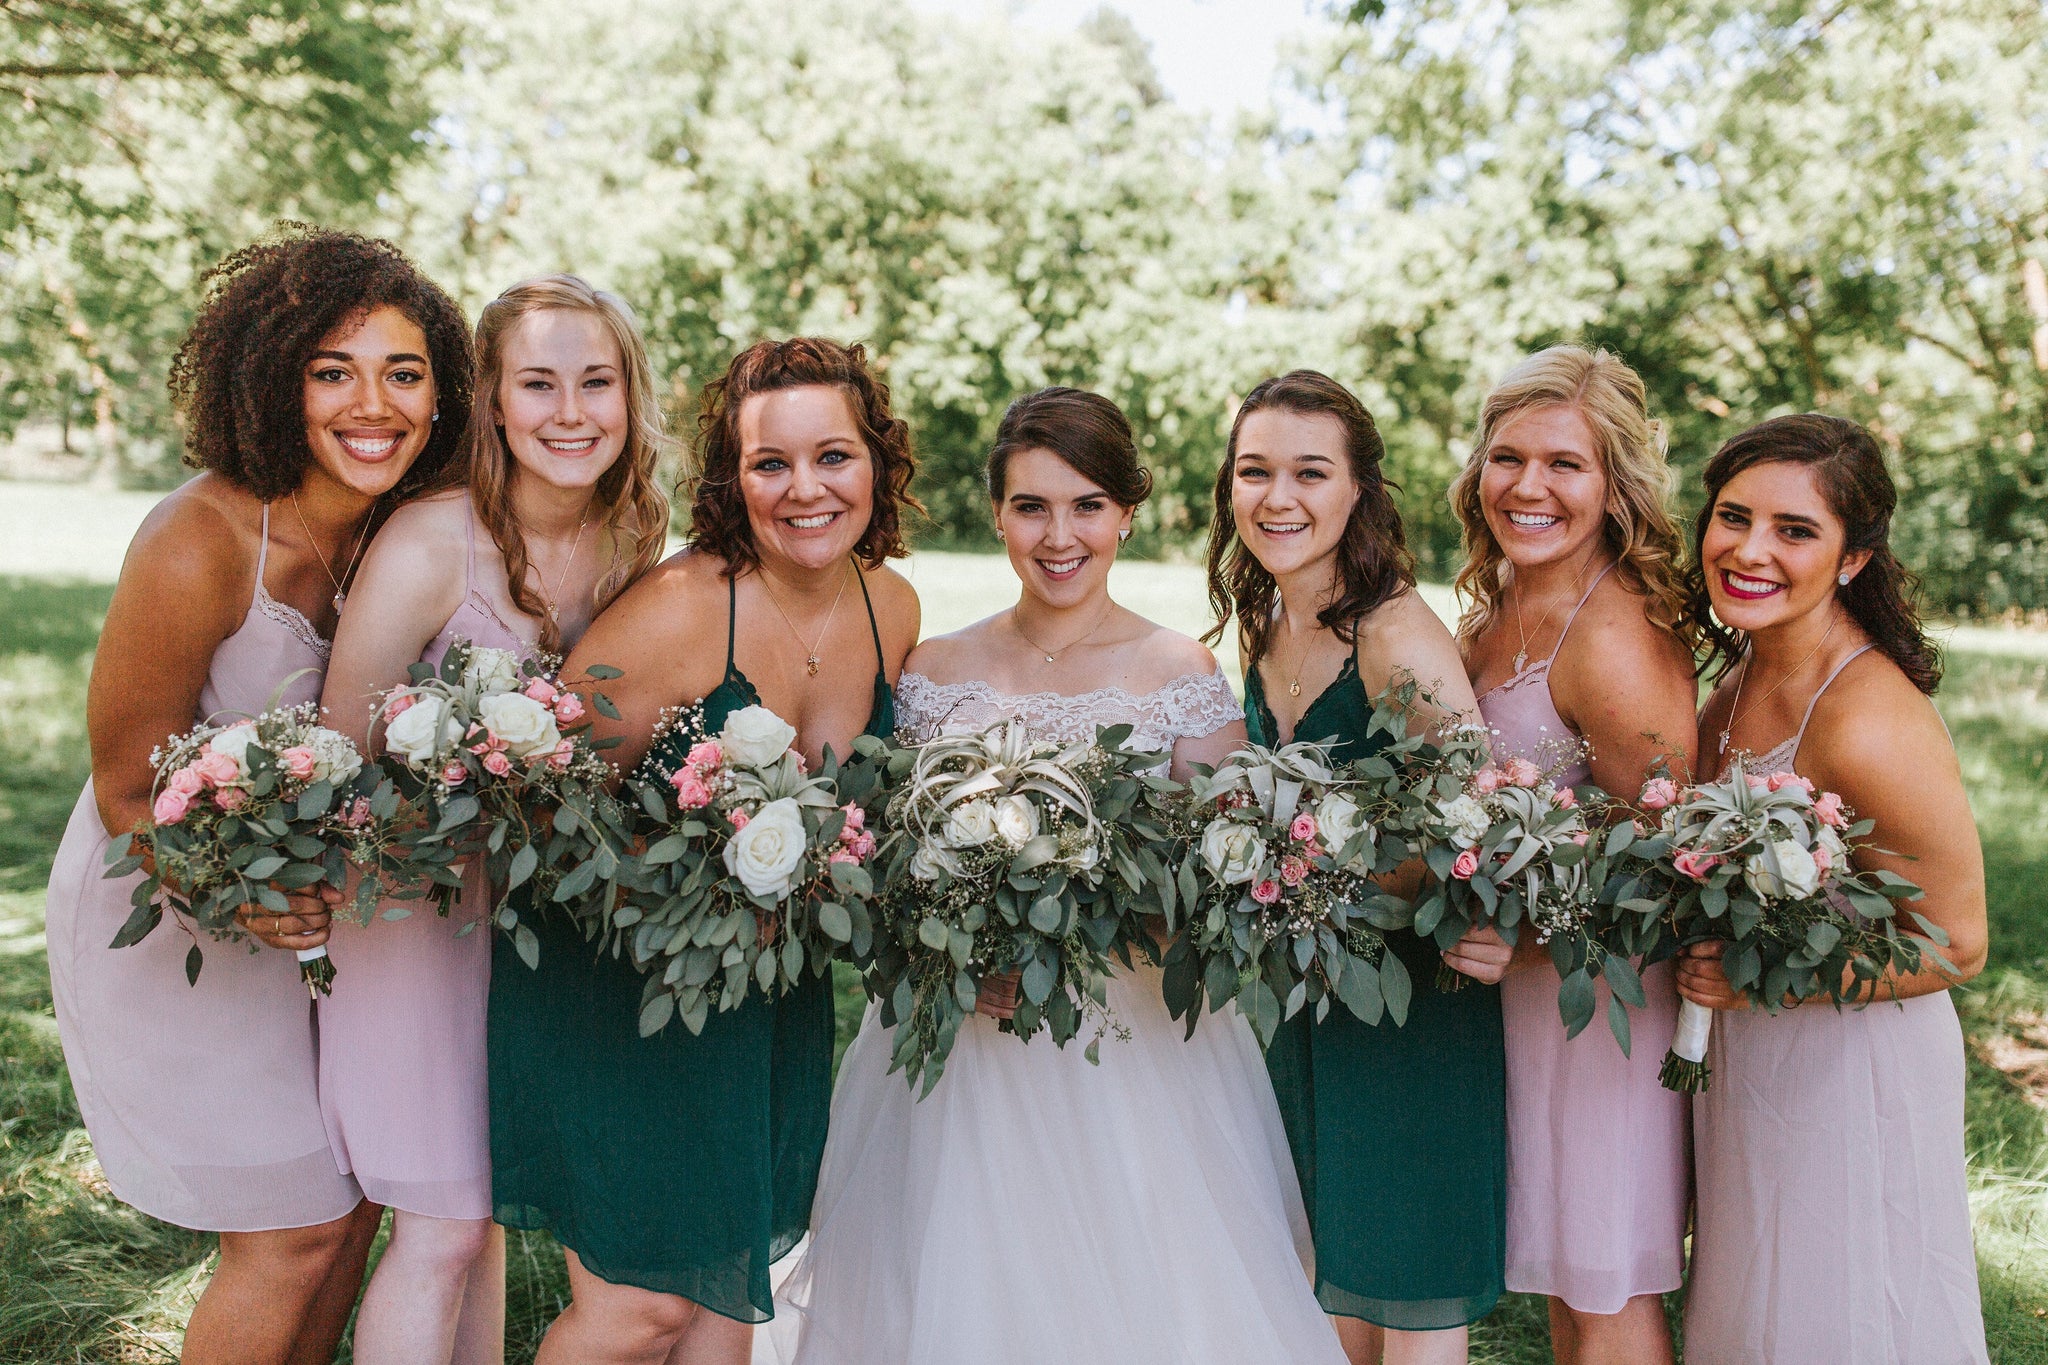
(1702, 980)
(1481, 954)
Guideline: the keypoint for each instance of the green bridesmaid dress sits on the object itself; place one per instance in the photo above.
(683, 1164)
(1399, 1134)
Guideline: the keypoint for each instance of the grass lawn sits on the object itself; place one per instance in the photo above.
(83, 1278)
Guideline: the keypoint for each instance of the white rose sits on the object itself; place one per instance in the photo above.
(1838, 852)
(1085, 857)
(767, 851)
(927, 862)
(756, 737)
(1232, 852)
(1468, 820)
(335, 758)
(1339, 820)
(527, 727)
(491, 670)
(970, 825)
(422, 730)
(1016, 820)
(235, 741)
(1796, 874)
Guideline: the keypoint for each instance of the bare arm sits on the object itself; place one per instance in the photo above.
(411, 581)
(668, 645)
(1627, 687)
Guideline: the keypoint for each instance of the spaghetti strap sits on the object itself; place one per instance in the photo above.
(469, 533)
(262, 557)
(732, 619)
(1815, 701)
(874, 631)
(1585, 598)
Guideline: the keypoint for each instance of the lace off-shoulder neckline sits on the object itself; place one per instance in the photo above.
(1190, 706)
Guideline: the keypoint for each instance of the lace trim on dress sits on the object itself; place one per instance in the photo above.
(1189, 707)
(293, 620)
(1538, 671)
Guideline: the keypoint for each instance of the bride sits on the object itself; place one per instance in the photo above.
(1034, 1206)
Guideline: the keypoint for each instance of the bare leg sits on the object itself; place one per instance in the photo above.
(1637, 1335)
(713, 1339)
(410, 1310)
(480, 1329)
(337, 1297)
(261, 1298)
(616, 1324)
(1448, 1347)
(1362, 1341)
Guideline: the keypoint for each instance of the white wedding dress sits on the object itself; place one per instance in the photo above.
(1036, 1208)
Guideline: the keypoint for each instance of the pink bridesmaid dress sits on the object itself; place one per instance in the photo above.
(201, 1100)
(1598, 1171)
(1834, 1206)
(402, 1072)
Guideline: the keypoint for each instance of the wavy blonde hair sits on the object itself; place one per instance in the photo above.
(628, 499)
(1640, 531)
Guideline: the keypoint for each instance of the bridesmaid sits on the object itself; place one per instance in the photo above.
(551, 511)
(1834, 1218)
(310, 383)
(1578, 631)
(677, 1168)
(1398, 1133)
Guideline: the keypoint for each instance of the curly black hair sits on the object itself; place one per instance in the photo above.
(239, 376)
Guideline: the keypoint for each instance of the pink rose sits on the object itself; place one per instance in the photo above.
(1293, 870)
(218, 770)
(1523, 773)
(1580, 838)
(1693, 864)
(705, 754)
(691, 793)
(1303, 829)
(863, 845)
(844, 855)
(1828, 809)
(1780, 781)
(496, 764)
(1312, 849)
(356, 814)
(1488, 780)
(542, 691)
(1567, 798)
(454, 774)
(230, 798)
(1759, 784)
(1658, 793)
(1822, 859)
(297, 762)
(739, 820)
(568, 708)
(856, 821)
(563, 754)
(171, 806)
(1467, 864)
(397, 707)
(1266, 891)
(187, 781)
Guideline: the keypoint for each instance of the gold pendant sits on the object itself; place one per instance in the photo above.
(1294, 688)
(812, 664)
(1521, 661)
(339, 598)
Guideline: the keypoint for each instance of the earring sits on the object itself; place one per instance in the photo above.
(1124, 534)
(999, 534)
(437, 414)
(1843, 578)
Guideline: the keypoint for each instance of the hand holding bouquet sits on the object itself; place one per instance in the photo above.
(1762, 861)
(1279, 901)
(245, 812)
(756, 872)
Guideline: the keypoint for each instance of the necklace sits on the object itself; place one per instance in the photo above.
(1052, 655)
(1522, 654)
(1294, 688)
(554, 597)
(811, 659)
(326, 566)
(1736, 701)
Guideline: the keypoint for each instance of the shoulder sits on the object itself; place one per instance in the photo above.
(1162, 656)
(898, 613)
(1868, 720)
(1405, 636)
(426, 531)
(944, 658)
(204, 537)
(1614, 637)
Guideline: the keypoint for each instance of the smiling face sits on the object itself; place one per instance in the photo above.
(562, 397)
(1543, 488)
(369, 401)
(1059, 527)
(806, 475)
(1291, 488)
(1772, 548)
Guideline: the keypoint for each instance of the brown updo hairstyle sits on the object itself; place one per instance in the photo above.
(240, 374)
(718, 510)
(1848, 468)
(1373, 561)
(1086, 430)
(628, 501)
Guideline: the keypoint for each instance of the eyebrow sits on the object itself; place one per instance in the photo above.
(1792, 518)
(1040, 497)
(1306, 456)
(549, 369)
(396, 357)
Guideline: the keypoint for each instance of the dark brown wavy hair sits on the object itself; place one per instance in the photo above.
(718, 510)
(1084, 429)
(1849, 469)
(240, 375)
(1373, 561)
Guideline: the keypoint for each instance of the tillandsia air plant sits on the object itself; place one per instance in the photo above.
(1764, 863)
(1007, 853)
(242, 813)
(755, 871)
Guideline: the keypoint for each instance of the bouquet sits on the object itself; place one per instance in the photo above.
(1763, 861)
(755, 871)
(1008, 853)
(1280, 909)
(488, 749)
(242, 813)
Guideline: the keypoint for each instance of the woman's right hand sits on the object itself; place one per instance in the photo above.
(304, 926)
(998, 998)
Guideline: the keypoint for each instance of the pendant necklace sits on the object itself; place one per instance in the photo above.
(1052, 655)
(811, 660)
(1743, 677)
(340, 596)
(554, 597)
(1522, 654)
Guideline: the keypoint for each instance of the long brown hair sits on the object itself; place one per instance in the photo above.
(1639, 532)
(1849, 469)
(718, 510)
(1373, 561)
(1084, 429)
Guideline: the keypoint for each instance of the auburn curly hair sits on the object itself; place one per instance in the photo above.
(718, 510)
(239, 376)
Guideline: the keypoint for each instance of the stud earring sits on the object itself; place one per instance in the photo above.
(1124, 534)
(1843, 578)
(999, 534)
(437, 414)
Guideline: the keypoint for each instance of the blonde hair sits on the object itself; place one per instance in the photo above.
(628, 499)
(1639, 530)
